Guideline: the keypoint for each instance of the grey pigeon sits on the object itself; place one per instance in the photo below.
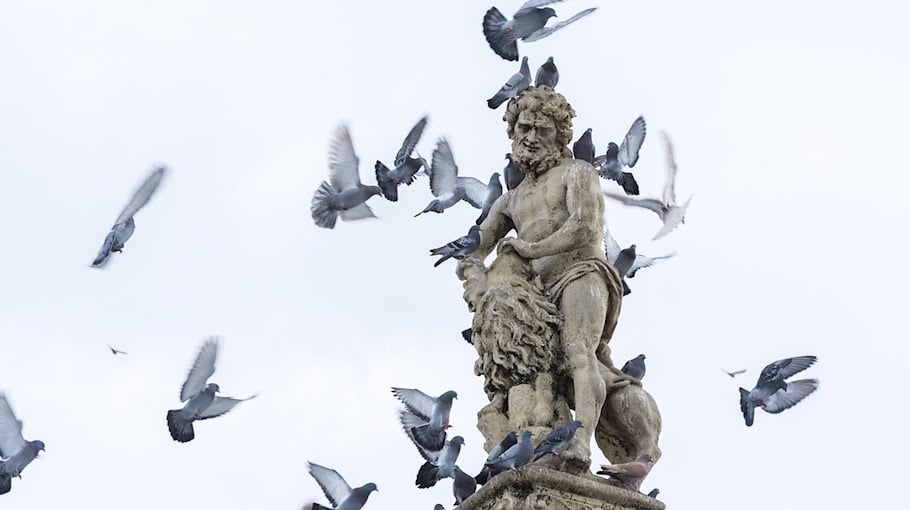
(547, 74)
(463, 486)
(339, 493)
(557, 440)
(669, 212)
(512, 174)
(439, 507)
(125, 225)
(583, 148)
(733, 373)
(515, 457)
(459, 248)
(342, 194)
(612, 251)
(406, 167)
(772, 393)
(635, 367)
(527, 24)
(494, 191)
(116, 351)
(630, 474)
(623, 263)
(468, 335)
(654, 493)
(15, 452)
(507, 442)
(610, 165)
(425, 419)
(439, 465)
(201, 402)
(515, 85)
(447, 186)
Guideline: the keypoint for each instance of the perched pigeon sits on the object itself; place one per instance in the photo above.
(507, 442)
(459, 248)
(439, 465)
(340, 494)
(343, 193)
(406, 167)
(527, 24)
(772, 393)
(425, 419)
(583, 148)
(630, 474)
(201, 402)
(635, 367)
(447, 186)
(515, 457)
(669, 212)
(733, 373)
(15, 452)
(610, 165)
(514, 86)
(547, 74)
(463, 486)
(556, 440)
(468, 335)
(124, 225)
(654, 493)
(512, 174)
(116, 351)
(494, 191)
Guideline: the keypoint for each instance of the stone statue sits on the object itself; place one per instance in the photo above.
(547, 306)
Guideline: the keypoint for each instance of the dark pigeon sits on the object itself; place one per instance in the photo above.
(515, 457)
(515, 85)
(438, 465)
(512, 174)
(547, 74)
(556, 440)
(507, 442)
(654, 493)
(459, 248)
(342, 194)
(635, 367)
(406, 167)
(772, 393)
(610, 165)
(425, 419)
(527, 24)
(494, 191)
(583, 148)
(468, 335)
(463, 486)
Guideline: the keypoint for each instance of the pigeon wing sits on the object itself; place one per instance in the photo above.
(444, 172)
(785, 399)
(410, 422)
(202, 369)
(669, 196)
(410, 141)
(360, 212)
(631, 144)
(647, 203)
(11, 440)
(474, 190)
(221, 405)
(416, 401)
(645, 261)
(332, 484)
(344, 164)
(531, 5)
(142, 195)
(548, 31)
(784, 368)
(611, 247)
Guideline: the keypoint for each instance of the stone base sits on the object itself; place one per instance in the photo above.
(535, 487)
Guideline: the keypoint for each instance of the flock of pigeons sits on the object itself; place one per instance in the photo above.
(425, 418)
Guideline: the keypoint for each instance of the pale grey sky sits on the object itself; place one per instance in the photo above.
(789, 121)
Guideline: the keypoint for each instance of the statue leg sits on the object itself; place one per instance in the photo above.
(584, 305)
(629, 423)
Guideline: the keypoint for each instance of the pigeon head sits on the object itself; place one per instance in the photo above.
(640, 356)
(494, 177)
(457, 440)
(213, 388)
(646, 458)
(548, 12)
(474, 230)
(367, 489)
(575, 425)
(36, 446)
(526, 435)
(509, 156)
(449, 395)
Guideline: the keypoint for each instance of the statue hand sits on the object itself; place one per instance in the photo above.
(468, 267)
(520, 246)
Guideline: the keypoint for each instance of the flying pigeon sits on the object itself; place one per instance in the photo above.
(733, 373)
(583, 148)
(654, 493)
(620, 259)
(556, 440)
(406, 167)
(463, 486)
(669, 212)
(116, 351)
(201, 402)
(447, 186)
(15, 452)
(507, 442)
(515, 85)
(635, 367)
(623, 263)
(512, 174)
(459, 248)
(772, 393)
(494, 191)
(343, 193)
(547, 74)
(124, 225)
(527, 24)
(630, 474)
(513, 458)
(439, 465)
(339, 493)
(425, 419)
(610, 165)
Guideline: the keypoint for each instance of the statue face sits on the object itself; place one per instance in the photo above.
(534, 144)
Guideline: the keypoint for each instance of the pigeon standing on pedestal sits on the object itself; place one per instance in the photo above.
(630, 474)
(556, 440)
(513, 458)
(512, 174)
(515, 85)
(507, 442)
(462, 486)
(583, 148)
(459, 248)
(635, 367)
(547, 75)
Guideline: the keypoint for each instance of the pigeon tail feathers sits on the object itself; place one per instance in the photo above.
(387, 185)
(497, 38)
(181, 429)
(322, 212)
(426, 476)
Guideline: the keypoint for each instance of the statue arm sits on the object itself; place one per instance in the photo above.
(494, 228)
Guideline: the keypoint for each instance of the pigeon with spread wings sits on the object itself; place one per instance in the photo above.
(406, 167)
(610, 165)
(343, 194)
(528, 24)
(772, 393)
(447, 186)
(15, 452)
(336, 489)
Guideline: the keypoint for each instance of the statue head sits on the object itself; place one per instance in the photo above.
(540, 127)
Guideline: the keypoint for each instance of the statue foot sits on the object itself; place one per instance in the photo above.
(576, 458)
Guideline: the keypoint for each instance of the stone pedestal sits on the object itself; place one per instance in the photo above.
(539, 488)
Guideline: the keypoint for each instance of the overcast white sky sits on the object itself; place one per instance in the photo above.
(790, 125)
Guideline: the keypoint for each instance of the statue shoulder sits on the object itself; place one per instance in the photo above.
(578, 172)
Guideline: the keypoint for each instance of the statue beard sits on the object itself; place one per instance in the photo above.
(535, 162)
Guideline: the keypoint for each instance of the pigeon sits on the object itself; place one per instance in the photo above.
(630, 474)
(425, 419)
(201, 402)
(635, 367)
(556, 440)
(494, 191)
(733, 373)
(547, 75)
(406, 167)
(610, 165)
(459, 248)
(339, 493)
(447, 186)
(669, 212)
(513, 458)
(439, 507)
(463, 486)
(514, 86)
(623, 263)
(15, 452)
(468, 335)
(612, 251)
(125, 225)
(512, 174)
(439, 465)
(342, 194)
(772, 393)
(654, 493)
(116, 351)
(507, 442)
(527, 24)
(583, 148)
